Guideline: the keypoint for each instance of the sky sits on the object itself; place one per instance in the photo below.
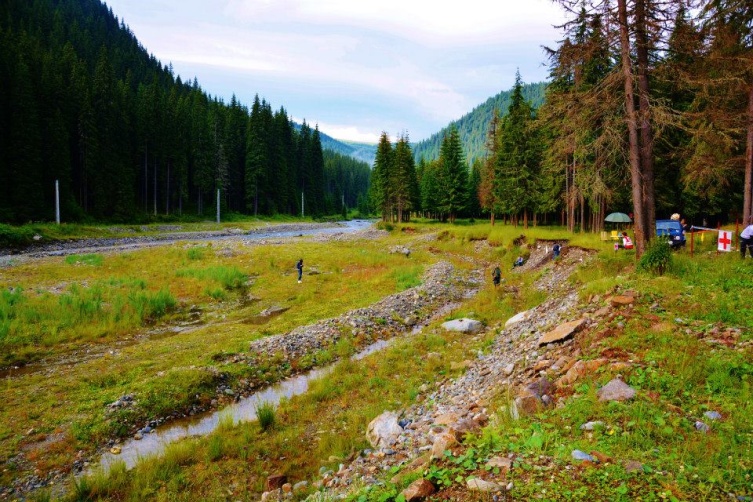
(355, 68)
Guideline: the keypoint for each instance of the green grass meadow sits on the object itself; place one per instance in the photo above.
(160, 324)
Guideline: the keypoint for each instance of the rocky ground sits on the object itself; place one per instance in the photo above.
(449, 409)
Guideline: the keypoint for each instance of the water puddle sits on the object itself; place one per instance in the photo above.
(243, 411)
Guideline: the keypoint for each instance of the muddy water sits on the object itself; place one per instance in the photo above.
(201, 425)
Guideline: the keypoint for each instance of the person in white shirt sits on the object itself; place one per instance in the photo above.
(746, 240)
(627, 242)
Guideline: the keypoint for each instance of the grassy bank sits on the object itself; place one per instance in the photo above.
(217, 289)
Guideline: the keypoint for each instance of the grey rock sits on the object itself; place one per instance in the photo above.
(616, 390)
(589, 426)
(479, 485)
(463, 325)
(713, 415)
(384, 430)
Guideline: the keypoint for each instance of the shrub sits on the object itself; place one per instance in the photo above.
(265, 413)
(657, 258)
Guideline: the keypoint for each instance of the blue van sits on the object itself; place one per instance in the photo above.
(672, 230)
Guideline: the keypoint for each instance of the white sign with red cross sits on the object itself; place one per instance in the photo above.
(725, 241)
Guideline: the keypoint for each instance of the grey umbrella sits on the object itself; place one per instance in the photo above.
(618, 218)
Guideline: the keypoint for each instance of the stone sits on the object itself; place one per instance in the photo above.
(542, 365)
(507, 370)
(578, 370)
(701, 427)
(519, 317)
(275, 481)
(300, 486)
(581, 455)
(384, 430)
(463, 427)
(479, 485)
(446, 419)
(713, 415)
(469, 326)
(115, 450)
(562, 332)
(633, 466)
(540, 387)
(621, 300)
(442, 443)
(504, 464)
(616, 390)
(269, 496)
(589, 426)
(419, 490)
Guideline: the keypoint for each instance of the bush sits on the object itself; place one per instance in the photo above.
(265, 413)
(657, 258)
(13, 237)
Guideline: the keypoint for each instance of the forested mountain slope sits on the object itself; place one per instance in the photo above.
(83, 102)
(473, 126)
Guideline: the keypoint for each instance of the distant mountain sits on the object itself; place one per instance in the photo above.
(360, 151)
(474, 125)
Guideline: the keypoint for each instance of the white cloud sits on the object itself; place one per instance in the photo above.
(349, 133)
(371, 65)
(430, 22)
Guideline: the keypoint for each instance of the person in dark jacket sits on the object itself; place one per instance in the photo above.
(299, 266)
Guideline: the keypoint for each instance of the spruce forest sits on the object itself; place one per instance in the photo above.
(84, 104)
(649, 110)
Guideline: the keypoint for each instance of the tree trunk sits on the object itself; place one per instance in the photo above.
(632, 122)
(747, 203)
(646, 133)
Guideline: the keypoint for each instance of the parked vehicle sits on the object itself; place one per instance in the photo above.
(672, 231)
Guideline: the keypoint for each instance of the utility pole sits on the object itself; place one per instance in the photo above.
(57, 202)
(302, 205)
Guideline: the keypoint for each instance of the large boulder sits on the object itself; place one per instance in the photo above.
(384, 430)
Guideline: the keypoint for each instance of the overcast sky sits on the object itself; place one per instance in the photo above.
(354, 67)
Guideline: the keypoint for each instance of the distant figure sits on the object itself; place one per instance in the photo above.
(556, 250)
(299, 266)
(746, 240)
(519, 261)
(685, 226)
(496, 276)
(627, 242)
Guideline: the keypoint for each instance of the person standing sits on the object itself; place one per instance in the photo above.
(299, 266)
(746, 240)
(496, 276)
(556, 250)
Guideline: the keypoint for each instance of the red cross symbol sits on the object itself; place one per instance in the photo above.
(724, 240)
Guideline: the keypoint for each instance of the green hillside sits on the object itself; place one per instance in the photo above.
(473, 126)
(86, 108)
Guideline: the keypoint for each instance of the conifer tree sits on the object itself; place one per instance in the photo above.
(452, 177)
(380, 191)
